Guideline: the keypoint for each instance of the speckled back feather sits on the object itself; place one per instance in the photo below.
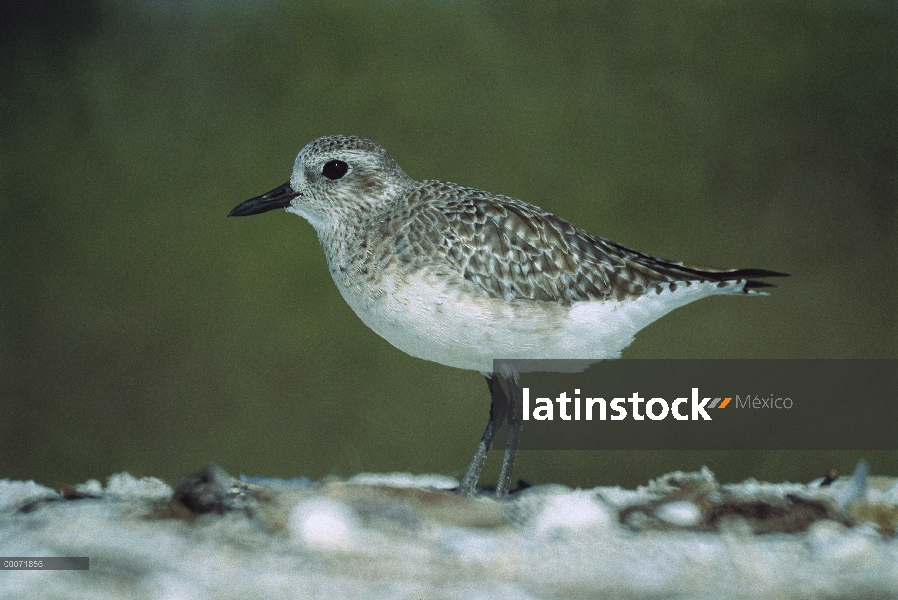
(514, 250)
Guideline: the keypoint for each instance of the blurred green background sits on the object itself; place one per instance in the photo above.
(144, 331)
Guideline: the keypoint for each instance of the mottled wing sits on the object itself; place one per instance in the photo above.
(513, 250)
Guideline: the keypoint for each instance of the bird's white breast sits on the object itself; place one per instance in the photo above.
(448, 321)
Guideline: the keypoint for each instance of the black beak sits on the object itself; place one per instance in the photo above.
(279, 197)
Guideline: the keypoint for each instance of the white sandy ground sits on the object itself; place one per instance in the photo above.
(404, 536)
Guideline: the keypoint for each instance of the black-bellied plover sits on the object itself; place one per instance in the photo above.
(461, 276)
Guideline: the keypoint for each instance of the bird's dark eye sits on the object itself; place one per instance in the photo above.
(335, 169)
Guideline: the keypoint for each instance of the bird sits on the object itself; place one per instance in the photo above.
(462, 276)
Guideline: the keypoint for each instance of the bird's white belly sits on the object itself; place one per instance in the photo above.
(449, 322)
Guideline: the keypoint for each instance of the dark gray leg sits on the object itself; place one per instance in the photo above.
(515, 424)
(498, 411)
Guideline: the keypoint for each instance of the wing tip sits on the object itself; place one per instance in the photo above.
(752, 285)
(750, 273)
